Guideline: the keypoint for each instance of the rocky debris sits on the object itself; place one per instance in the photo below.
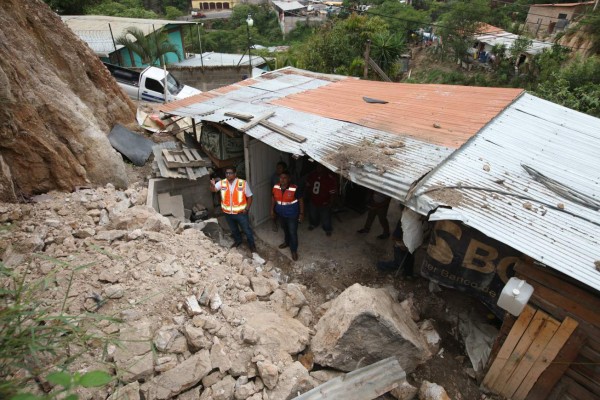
(432, 338)
(224, 389)
(269, 373)
(365, 325)
(432, 391)
(293, 380)
(134, 359)
(404, 391)
(180, 378)
(127, 392)
(263, 286)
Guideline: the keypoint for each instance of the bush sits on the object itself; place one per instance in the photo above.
(37, 341)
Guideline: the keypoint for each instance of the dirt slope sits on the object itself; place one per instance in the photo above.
(58, 104)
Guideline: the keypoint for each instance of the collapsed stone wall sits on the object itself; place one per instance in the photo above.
(58, 103)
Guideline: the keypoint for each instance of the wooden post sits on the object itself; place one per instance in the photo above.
(367, 56)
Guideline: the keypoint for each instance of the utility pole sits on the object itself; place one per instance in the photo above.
(200, 44)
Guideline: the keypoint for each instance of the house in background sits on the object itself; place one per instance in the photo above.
(213, 5)
(100, 33)
(546, 19)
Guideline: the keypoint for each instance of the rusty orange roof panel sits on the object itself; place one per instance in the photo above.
(446, 115)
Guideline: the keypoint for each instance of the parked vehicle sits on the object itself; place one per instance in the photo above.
(197, 14)
(148, 85)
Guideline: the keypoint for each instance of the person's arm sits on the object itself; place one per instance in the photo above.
(248, 203)
(213, 186)
(273, 207)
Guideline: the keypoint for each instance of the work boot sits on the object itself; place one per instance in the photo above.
(235, 244)
(363, 230)
(294, 256)
(383, 236)
(253, 249)
(283, 245)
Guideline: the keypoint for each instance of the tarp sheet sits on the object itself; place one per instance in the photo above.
(135, 147)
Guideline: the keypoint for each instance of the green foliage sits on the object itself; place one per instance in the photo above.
(172, 13)
(40, 340)
(70, 7)
(576, 86)
(338, 47)
(401, 18)
(458, 24)
(150, 47)
(122, 8)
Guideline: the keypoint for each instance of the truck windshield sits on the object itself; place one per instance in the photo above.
(173, 85)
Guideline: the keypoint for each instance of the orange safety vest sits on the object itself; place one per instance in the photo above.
(287, 197)
(233, 203)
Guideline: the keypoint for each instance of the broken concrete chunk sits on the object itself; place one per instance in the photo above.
(114, 291)
(195, 337)
(212, 378)
(409, 308)
(269, 373)
(432, 391)
(180, 378)
(432, 338)
(224, 389)
(263, 286)
(363, 326)
(218, 356)
(404, 391)
(164, 337)
(324, 375)
(191, 306)
(127, 392)
(305, 316)
(293, 380)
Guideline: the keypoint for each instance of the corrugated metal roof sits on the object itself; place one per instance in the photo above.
(362, 384)
(508, 39)
(328, 140)
(95, 31)
(587, 3)
(288, 5)
(488, 187)
(445, 115)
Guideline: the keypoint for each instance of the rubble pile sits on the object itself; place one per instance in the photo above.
(196, 320)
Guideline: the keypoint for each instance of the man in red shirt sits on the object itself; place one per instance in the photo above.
(287, 205)
(321, 187)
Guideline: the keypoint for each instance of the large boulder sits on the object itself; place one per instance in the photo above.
(365, 325)
(58, 105)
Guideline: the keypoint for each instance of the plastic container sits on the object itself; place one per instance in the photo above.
(515, 296)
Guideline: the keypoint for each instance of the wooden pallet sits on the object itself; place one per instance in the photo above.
(532, 344)
(186, 158)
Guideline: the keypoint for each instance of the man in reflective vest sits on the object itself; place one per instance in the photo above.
(287, 205)
(236, 199)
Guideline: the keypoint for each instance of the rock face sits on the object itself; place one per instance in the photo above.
(58, 105)
(365, 325)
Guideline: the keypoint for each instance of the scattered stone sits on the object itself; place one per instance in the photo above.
(110, 236)
(114, 291)
(307, 360)
(218, 357)
(276, 330)
(432, 338)
(409, 308)
(224, 389)
(258, 259)
(305, 316)
(405, 391)
(196, 339)
(245, 297)
(192, 307)
(243, 388)
(127, 392)
(293, 380)
(248, 335)
(268, 373)
(432, 391)
(365, 325)
(263, 286)
(213, 378)
(215, 302)
(84, 233)
(180, 378)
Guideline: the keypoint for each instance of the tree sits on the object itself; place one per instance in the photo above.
(458, 25)
(172, 13)
(70, 7)
(123, 8)
(149, 48)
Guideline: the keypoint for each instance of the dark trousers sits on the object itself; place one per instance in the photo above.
(290, 230)
(381, 214)
(402, 259)
(322, 215)
(233, 220)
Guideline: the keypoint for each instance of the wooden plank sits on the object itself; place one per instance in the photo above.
(507, 324)
(188, 154)
(562, 285)
(568, 303)
(168, 157)
(576, 391)
(256, 121)
(507, 348)
(537, 323)
(585, 377)
(520, 379)
(190, 173)
(558, 358)
(242, 116)
(195, 154)
(282, 131)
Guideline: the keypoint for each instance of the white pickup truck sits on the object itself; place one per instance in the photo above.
(148, 85)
